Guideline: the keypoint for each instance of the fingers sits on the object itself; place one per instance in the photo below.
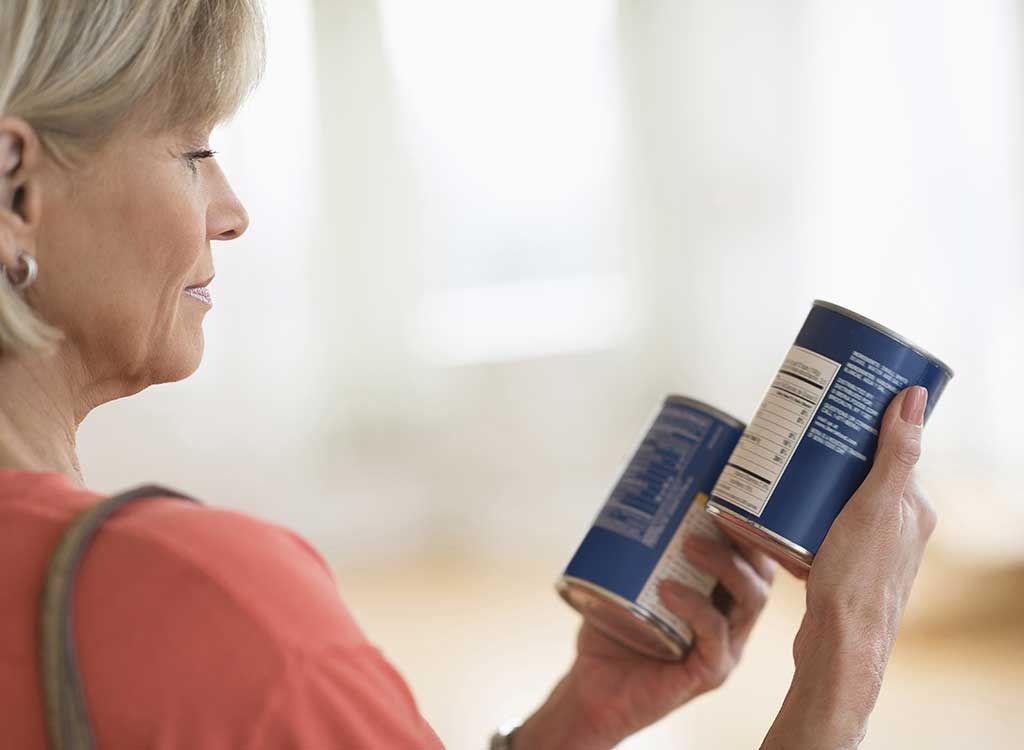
(761, 562)
(765, 564)
(899, 443)
(749, 589)
(713, 640)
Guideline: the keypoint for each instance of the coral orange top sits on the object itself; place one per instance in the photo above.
(196, 627)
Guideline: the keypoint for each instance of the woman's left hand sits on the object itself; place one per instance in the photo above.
(612, 692)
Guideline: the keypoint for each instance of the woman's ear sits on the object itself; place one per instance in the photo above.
(10, 160)
(20, 202)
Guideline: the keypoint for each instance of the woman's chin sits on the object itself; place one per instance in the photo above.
(184, 360)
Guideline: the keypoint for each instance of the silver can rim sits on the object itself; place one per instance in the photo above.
(794, 550)
(846, 312)
(670, 636)
(730, 420)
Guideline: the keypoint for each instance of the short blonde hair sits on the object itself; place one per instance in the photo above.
(81, 71)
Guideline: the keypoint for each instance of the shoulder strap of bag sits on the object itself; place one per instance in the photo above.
(67, 716)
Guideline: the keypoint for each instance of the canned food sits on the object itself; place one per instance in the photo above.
(636, 540)
(812, 441)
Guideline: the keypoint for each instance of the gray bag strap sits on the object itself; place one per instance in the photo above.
(67, 716)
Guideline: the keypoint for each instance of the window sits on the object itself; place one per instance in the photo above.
(512, 113)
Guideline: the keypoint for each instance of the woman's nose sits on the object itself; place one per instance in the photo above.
(227, 218)
(235, 226)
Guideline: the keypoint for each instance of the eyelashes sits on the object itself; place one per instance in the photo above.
(192, 158)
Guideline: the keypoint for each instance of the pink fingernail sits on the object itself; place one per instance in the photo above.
(668, 588)
(914, 401)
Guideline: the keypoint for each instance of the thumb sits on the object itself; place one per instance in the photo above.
(899, 442)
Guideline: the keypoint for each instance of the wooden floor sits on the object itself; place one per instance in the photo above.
(481, 641)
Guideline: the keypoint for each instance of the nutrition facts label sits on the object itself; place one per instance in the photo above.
(656, 479)
(763, 452)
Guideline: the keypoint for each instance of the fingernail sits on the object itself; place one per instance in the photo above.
(694, 545)
(669, 588)
(914, 401)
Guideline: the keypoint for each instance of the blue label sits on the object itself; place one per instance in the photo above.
(827, 401)
(681, 455)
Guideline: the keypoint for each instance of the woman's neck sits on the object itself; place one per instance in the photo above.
(40, 410)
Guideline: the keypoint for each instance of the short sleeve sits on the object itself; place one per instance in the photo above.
(344, 698)
(205, 627)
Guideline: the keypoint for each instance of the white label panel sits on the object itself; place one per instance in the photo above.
(768, 443)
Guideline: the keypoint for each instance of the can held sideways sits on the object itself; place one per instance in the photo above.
(636, 540)
(812, 441)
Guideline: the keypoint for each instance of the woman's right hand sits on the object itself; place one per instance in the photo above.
(857, 590)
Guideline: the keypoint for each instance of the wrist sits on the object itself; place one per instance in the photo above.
(562, 722)
(835, 685)
(849, 653)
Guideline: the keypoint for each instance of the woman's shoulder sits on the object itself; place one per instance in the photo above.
(208, 571)
(234, 569)
(240, 566)
(199, 530)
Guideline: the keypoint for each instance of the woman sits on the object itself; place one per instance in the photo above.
(200, 627)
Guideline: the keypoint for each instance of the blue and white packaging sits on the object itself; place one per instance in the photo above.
(812, 441)
(636, 540)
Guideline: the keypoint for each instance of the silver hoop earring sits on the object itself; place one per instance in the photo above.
(31, 271)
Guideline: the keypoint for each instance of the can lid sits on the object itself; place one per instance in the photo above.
(701, 406)
(887, 331)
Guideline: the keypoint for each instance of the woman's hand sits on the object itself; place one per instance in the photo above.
(857, 590)
(612, 692)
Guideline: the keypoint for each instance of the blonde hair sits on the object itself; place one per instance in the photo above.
(81, 71)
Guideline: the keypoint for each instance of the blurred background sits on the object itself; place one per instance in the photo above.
(488, 237)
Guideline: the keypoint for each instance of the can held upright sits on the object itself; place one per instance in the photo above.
(636, 540)
(812, 441)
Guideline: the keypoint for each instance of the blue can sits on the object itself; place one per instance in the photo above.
(636, 540)
(812, 441)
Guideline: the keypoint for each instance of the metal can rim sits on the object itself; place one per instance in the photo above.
(885, 330)
(711, 410)
(671, 637)
(795, 551)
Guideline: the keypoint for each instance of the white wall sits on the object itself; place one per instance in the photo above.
(488, 237)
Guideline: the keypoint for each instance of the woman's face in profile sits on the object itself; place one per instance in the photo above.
(118, 241)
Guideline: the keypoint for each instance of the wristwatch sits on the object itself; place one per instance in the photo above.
(504, 738)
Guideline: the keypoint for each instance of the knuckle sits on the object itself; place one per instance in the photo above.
(710, 622)
(925, 512)
(760, 597)
(720, 628)
(721, 673)
(929, 518)
(907, 450)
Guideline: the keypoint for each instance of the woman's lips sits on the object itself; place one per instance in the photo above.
(200, 293)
